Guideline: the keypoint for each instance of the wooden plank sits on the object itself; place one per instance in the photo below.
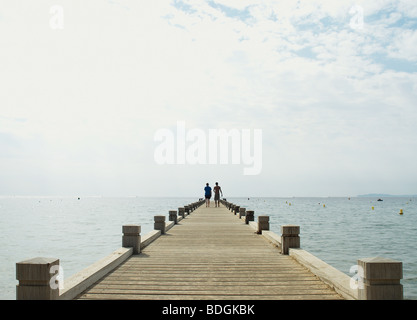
(208, 282)
(90, 296)
(212, 291)
(217, 277)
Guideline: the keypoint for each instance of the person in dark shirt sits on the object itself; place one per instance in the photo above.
(207, 194)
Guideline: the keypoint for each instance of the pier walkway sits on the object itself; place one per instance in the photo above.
(211, 255)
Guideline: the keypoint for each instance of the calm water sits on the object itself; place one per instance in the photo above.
(80, 232)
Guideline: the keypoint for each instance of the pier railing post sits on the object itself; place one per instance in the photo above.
(289, 238)
(37, 279)
(380, 279)
(173, 216)
(263, 224)
(236, 210)
(131, 237)
(249, 216)
(159, 223)
(181, 212)
(242, 212)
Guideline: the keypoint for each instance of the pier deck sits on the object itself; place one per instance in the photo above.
(211, 255)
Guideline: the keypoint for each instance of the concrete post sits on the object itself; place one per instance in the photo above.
(173, 216)
(181, 212)
(263, 223)
(159, 223)
(249, 216)
(187, 210)
(131, 237)
(242, 212)
(380, 279)
(236, 209)
(37, 279)
(289, 238)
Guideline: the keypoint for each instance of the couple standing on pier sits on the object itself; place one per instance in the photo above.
(217, 191)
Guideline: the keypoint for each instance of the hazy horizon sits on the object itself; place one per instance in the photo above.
(370, 195)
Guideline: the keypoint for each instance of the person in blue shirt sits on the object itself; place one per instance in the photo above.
(207, 194)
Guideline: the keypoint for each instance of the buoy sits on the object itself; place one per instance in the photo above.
(401, 211)
(372, 208)
(290, 203)
(324, 206)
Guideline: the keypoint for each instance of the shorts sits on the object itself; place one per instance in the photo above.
(216, 197)
(208, 196)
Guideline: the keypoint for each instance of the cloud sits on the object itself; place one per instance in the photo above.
(404, 46)
(93, 94)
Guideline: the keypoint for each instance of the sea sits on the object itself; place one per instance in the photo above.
(82, 230)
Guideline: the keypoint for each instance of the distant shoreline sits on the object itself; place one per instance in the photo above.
(380, 195)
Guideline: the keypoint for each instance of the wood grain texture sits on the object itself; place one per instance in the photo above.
(210, 255)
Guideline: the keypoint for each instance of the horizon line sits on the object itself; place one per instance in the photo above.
(184, 196)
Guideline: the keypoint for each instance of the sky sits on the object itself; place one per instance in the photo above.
(122, 97)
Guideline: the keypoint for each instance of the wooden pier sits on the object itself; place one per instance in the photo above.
(210, 255)
(216, 253)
